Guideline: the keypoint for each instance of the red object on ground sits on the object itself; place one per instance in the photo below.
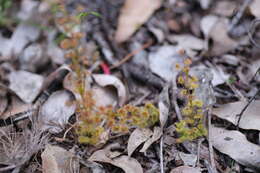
(105, 68)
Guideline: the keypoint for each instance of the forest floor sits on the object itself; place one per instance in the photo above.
(95, 86)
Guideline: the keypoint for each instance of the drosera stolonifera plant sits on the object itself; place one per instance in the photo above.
(93, 121)
(191, 126)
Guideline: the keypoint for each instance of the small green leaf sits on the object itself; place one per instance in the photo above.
(85, 14)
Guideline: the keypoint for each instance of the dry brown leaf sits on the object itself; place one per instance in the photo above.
(250, 118)
(137, 137)
(235, 144)
(128, 164)
(185, 169)
(57, 160)
(157, 133)
(133, 14)
(110, 80)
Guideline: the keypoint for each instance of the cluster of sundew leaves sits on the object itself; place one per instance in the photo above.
(191, 127)
(118, 121)
(93, 120)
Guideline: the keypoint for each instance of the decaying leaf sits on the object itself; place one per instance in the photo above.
(128, 164)
(250, 118)
(109, 80)
(185, 169)
(56, 111)
(157, 133)
(57, 160)
(235, 144)
(133, 15)
(137, 137)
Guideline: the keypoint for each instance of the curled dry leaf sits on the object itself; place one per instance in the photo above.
(56, 111)
(128, 164)
(137, 137)
(235, 144)
(104, 96)
(164, 104)
(250, 118)
(56, 160)
(157, 133)
(133, 14)
(109, 80)
(185, 169)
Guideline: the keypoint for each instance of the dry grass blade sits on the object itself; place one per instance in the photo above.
(17, 148)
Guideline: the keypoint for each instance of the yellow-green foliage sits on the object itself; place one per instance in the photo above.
(119, 120)
(191, 127)
(93, 120)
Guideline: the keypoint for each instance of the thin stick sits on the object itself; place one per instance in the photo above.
(130, 55)
(161, 155)
(211, 151)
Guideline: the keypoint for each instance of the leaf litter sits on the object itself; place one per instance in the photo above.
(38, 100)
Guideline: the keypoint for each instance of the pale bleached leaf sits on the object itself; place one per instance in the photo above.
(128, 164)
(137, 137)
(234, 144)
(26, 85)
(250, 118)
(56, 111)
(157, 133)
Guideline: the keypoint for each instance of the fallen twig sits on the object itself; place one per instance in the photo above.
(161, 155)
(130, 55)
